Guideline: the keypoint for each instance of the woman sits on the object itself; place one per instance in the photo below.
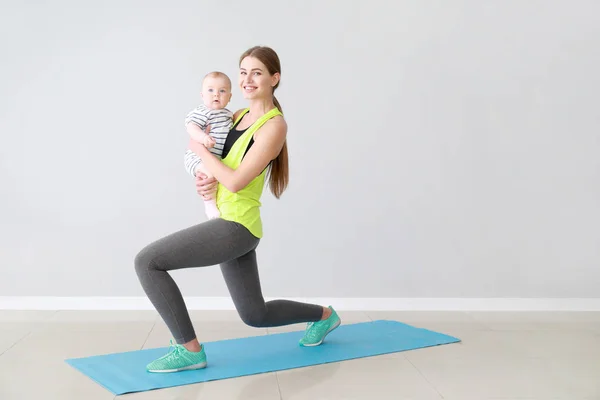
(255, 145)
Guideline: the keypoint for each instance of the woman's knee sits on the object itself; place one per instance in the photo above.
(254, 318)
(144, 260)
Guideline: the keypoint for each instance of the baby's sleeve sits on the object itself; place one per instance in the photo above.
(198, 116)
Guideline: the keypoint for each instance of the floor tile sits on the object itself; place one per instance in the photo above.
(254, 387)
(581, 374)
(501, 356)
(449, 323)
(484, 378)
(533, 320)
(10, 336)
(25, 319)
(98, 321)
(100, 316)
(556, 344)
(365, 378)
(25, 315)
(474, 345)
(39, 360)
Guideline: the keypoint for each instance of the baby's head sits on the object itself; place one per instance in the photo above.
(216, 90)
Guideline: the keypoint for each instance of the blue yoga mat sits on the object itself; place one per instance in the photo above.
(122, 373)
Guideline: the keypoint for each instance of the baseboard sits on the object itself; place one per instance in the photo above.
(358, 304)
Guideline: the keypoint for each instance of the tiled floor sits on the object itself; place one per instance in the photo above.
(501, 356)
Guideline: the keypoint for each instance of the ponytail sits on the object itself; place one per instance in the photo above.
(277, 104)
(279, 171)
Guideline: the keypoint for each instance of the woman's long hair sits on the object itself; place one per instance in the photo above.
(279, 170)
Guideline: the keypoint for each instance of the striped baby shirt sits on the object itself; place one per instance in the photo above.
(220, 122)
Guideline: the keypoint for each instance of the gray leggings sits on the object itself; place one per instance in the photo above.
(213, 242)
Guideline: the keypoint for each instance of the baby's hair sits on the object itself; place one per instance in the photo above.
(218, 74)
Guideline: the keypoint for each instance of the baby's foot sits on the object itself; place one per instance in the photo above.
(212, 211)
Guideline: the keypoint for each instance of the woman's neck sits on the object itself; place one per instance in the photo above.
(260, 107)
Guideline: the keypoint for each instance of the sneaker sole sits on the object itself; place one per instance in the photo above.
(338, 323)
(190, 367)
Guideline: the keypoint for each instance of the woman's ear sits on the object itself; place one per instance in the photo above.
(275, 79)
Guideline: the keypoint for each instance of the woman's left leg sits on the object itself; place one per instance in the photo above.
(242, 279)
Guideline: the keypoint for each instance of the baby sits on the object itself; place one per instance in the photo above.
(216, 93)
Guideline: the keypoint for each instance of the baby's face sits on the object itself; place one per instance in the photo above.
(216, 92)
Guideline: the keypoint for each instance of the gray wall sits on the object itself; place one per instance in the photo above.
(438, 149)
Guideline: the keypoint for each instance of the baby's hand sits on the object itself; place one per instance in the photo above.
(209, 141)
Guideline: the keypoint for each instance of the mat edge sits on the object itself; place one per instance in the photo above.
(81, 368)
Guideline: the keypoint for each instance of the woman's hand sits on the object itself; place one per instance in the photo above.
(205, 186)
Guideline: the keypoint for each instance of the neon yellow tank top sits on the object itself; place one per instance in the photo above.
(243, 207)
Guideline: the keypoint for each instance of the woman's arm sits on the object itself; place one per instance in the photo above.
(268, 142)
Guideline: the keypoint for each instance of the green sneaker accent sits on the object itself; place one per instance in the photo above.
(316, 331)
(178, 359)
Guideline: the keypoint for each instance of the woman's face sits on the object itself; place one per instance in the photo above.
(255, 80)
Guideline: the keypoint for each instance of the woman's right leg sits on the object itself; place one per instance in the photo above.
(210, 243)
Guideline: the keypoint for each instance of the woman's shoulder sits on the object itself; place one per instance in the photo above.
(274, 130)
(276, 125)
(278, 121)
(238, 112)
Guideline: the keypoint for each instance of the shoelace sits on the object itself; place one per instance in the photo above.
(311, 333)
(174, 351)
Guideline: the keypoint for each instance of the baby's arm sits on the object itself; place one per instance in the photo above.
(195, 121)
(195, 125)
(199, 135)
